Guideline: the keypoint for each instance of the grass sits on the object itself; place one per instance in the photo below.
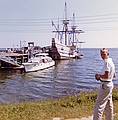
(67, 107)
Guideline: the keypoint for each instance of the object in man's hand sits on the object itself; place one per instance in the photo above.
(97, 76)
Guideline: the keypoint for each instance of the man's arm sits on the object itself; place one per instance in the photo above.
(105, 75)
(102, 77)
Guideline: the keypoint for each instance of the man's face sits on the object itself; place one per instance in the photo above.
(104, 54)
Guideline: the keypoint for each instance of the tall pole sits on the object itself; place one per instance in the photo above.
(73, 28)
(66, 22)
(20, 45)
(58, 29)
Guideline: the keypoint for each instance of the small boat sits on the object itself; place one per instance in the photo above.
(38, 62)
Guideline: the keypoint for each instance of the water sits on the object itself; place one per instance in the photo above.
(68, 77)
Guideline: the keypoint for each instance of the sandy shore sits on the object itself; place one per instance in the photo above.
(84, 118)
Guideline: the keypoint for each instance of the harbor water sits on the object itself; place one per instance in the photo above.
(67, 77)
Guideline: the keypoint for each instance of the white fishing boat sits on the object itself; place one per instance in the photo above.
(38, 62)
(64, 45)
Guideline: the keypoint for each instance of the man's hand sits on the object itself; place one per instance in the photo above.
(97, 76)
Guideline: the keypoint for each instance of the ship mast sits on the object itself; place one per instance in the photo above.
(66, 30)
(65, 23)
(73, 28)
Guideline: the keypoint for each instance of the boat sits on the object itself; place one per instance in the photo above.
(38, 62)
(64, 45)
(9, 63)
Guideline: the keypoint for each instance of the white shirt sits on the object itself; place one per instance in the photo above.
(110, 67)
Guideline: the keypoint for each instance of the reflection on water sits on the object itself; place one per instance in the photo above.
(65, 78)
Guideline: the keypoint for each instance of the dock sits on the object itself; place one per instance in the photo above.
(20, 58)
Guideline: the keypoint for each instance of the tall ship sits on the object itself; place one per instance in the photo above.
(65, 43)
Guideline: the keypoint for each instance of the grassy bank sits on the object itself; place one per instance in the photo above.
(68, 107)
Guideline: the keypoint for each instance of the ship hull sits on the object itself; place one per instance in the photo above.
(59, 51)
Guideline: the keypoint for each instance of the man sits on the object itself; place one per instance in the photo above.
(104, 99)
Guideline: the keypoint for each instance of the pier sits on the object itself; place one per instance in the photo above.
(20, 58)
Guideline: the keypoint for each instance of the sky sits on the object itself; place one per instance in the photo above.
(23, 21)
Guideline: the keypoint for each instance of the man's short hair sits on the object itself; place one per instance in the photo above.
(105, 50)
